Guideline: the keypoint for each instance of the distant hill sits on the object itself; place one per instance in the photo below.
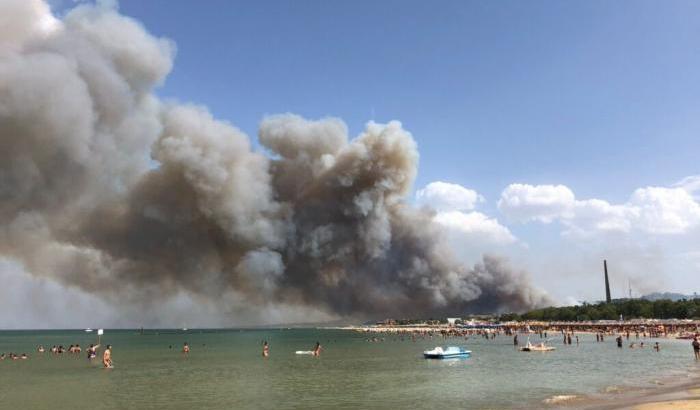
(669, 295)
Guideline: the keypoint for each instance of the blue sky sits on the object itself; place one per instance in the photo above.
(601, 97)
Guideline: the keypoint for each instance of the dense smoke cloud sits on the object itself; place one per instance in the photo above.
(105, 188)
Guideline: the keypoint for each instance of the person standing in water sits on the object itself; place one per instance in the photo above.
(317, 349)
(515, 340)
(696, 348)
(185, 348)
(619, 341)
(266, 349)
(92, 351)
(107, 357)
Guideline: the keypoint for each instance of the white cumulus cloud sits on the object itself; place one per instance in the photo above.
(691, 184)
(454, 206)
(597, 215)
(445, 196)
(665, 210)
(477, 225)
(651, 210)
(544, 203)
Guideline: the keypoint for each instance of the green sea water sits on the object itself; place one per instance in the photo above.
(225, 370)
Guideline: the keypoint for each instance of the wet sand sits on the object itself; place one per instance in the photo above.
(676, 393)
(677, 405)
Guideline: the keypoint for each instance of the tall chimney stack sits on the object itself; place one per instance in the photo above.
(607, 282)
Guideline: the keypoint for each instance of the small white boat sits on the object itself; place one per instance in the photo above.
(448, 353)
(540, 347)
(88, 330)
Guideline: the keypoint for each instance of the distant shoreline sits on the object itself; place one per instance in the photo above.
(573, 325)
(671, 328)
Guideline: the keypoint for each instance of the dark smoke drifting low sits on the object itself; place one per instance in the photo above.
(106, 188)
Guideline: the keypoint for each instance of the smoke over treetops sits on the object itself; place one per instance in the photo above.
(105, 188)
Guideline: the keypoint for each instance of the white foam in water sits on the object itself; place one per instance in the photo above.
(612, 389)
(560, 398)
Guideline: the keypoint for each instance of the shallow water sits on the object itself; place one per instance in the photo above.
(225, 370)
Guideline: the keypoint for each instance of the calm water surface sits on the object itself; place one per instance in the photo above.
(225, 370)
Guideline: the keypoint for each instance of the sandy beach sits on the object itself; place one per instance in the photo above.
(673, 393)
(677, 405)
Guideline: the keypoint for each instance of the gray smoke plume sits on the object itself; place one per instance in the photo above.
(105, 188)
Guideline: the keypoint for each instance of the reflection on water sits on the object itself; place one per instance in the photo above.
(225, 370)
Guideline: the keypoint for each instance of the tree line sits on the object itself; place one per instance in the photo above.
(629, 309)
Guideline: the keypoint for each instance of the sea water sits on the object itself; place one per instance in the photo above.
(225, 370)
